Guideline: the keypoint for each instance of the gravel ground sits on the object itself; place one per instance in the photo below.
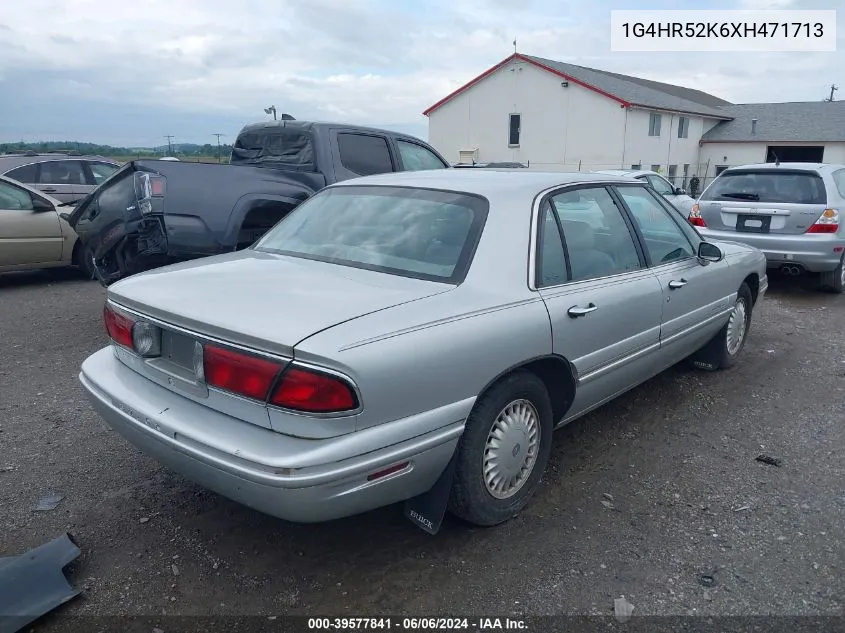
(656, 496)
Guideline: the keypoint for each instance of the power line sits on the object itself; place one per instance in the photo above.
(218, 135)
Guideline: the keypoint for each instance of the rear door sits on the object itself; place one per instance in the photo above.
(695, 297)
(604, 303)
(416, 157)
(64, 180)
(27, 236)
(775, 201)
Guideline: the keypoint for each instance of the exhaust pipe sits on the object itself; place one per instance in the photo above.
(791, 270)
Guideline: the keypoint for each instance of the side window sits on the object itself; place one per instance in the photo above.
(25, 174)
(101, 171)
(417, 158)
(839, 181)
(364, 154)
(664, 239)
(597, 239)
(551, 261)
(14, 198)
(62, 172)
(660, 185)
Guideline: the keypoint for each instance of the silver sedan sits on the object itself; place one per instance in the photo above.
(415, 337)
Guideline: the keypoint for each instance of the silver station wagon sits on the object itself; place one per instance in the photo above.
(415, 337)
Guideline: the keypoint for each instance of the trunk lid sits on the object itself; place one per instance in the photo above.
(776, 201)
(263, 300)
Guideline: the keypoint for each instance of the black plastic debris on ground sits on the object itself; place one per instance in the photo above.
(34, 583)
(766, 459)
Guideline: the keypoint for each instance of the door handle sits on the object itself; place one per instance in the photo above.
(577, 311)
(674, 285)
(49, 190)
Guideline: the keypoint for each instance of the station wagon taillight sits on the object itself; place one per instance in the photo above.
(297, 388)
(695, 217)
(828, 222)
(118, 326)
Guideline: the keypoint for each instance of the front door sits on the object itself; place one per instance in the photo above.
(695, 305)
(603, 302)
(27, 236)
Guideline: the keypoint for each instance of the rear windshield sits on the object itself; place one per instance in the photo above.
(793, 187)
(276, 146)
(418, 233)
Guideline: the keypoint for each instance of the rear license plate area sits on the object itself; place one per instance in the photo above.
(754, 223)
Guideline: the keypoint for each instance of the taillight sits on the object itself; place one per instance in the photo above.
(239, 373)
(149, 189)
(695, 217)
(314, 392)
(118, 326)
(828, 222)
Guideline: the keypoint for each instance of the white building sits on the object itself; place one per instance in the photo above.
(556, 116)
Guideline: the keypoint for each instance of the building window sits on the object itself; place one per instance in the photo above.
(654, 124)
(655, 168)
(636, 166)
(686, 175)
(673, 172)
(514, 125)
(721, 168)
(683, 127)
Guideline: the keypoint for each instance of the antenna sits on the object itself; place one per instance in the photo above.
(833, 88)
(218, 135)
(169, 137)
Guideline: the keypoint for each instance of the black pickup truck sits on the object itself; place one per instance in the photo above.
(152, 212)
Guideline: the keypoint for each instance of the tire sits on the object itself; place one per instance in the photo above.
(84, 260)
(471, 499)
(722, 351)
(834, 281)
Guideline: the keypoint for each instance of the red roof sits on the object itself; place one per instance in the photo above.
(523, 58)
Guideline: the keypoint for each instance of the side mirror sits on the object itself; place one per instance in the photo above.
(680, 191)
(709, 252)
(39, 205)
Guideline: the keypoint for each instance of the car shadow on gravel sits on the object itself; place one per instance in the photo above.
(41, 277)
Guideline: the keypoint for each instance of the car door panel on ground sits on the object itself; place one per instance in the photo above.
(695, 305)
(603, 302)
(27, 236)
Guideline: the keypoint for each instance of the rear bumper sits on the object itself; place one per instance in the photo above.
(187, 437)
(813, 252)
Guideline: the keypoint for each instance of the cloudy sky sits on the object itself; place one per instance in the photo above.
(127, 72)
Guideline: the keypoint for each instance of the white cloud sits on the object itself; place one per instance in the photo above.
(371, 61)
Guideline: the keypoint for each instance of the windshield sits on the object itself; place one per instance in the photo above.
(768, 186)
(418, 233)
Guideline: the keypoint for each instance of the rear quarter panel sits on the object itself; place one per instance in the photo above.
(433, 352)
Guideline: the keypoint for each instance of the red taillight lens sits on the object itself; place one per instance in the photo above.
(242, 374)
(157, 185)
(118, 326)
(695, 217)
(315, 392)
(828, 222)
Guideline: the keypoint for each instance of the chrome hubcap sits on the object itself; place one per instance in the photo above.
(843, 272)
(736, 326)
(511, 449)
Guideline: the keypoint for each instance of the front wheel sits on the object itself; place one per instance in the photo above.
(503, 451)
(834, 281)
(723, 350)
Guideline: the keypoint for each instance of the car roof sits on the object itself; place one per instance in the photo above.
(820, 167)
(490, 183)
(10, 161)
(12, 181)
(631, 173)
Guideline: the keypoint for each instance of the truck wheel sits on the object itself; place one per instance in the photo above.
(84, 260)
(834, 281)
(503, 451)
(723, 350)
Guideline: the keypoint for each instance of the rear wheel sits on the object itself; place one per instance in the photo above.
(724, 349)
(503, 451)
(834, 281)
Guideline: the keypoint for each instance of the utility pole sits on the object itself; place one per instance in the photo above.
(169, 144)
(833, 88)
(218, 145)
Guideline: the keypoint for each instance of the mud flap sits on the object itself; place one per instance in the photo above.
(707, 358)
(427, 510)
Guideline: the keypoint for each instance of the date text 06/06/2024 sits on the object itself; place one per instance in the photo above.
(416, 624)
